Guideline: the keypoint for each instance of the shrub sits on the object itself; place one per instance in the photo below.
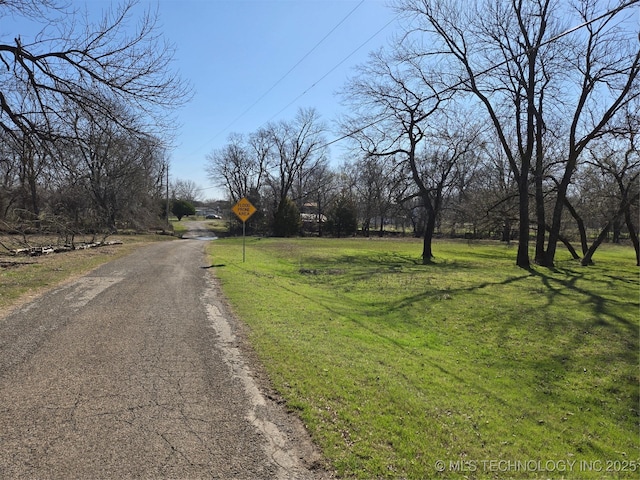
(342, 218)
(182, 208)
(287, 222)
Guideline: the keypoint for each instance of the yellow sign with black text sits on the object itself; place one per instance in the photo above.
(243, 209)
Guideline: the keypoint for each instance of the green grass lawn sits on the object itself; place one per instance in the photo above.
(495, 371)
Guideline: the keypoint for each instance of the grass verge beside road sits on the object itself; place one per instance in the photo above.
(470, 367)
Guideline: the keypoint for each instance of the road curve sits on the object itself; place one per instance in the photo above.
(137, 370)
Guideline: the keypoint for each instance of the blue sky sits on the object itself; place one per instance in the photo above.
(255, 61)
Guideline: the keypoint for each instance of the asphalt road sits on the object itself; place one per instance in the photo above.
(138, 370)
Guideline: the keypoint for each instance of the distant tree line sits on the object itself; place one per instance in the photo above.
(491, 118)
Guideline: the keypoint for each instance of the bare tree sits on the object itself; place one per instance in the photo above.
(517, 60)
(241, 164)
(398, 115)
(8, 177)
(315, 191)
(436, 173)
(496, 194)
(616, 160)
(65, 64)
(391, 110)
(32, 167)
(118, 168)
(606, 63)
(185, 190)
(75, 84)
(377, 185)
(492, 51)
(298, 147)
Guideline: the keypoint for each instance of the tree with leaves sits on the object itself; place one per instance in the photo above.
(342, 218)
(287, 221)
(182, 208)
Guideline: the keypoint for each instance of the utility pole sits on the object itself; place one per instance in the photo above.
(167, 194)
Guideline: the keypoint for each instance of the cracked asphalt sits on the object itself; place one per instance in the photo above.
(138, 370)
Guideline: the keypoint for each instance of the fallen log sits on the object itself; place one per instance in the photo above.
(45, 250)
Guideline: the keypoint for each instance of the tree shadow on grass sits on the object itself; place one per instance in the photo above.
(601, 304)
(563, 349)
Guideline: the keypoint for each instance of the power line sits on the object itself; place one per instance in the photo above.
(608, 13)
(285, 75)
(353, 52)
(335, 67)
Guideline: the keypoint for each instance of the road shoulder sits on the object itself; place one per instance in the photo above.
(289, 443)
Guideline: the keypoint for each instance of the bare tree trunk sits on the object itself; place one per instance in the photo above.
(522, 259)
(540, 218)
(567, 244)
(427, 253)
(539, 172)
(587, 260)
(366, 226)
(581, 227)
(633, 234)
(506, 232)
(556, 220)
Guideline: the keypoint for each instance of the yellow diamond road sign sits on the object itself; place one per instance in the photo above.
(243, 209)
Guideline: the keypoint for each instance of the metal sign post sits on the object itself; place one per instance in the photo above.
(243, 210)
(244, 224)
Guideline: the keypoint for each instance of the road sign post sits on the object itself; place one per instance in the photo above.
(243, 210)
